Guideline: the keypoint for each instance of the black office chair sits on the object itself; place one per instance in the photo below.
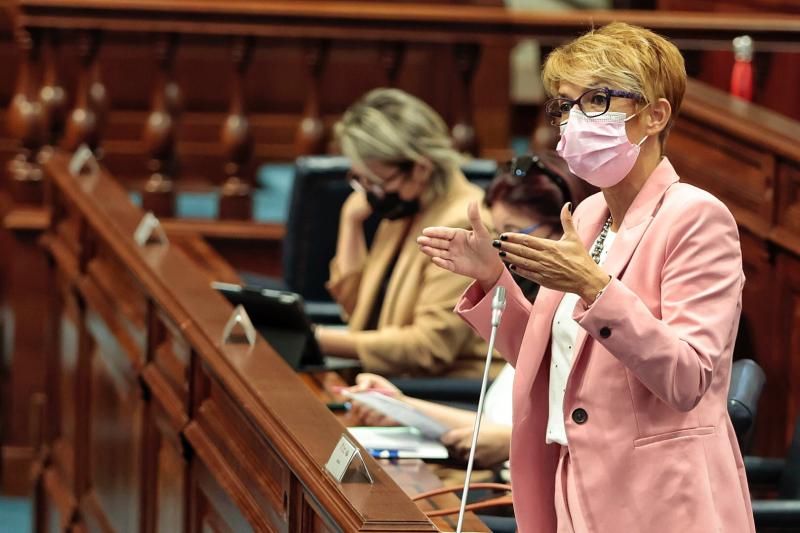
(782, 476)
(462, 393)
(320, 188)
(747, 383)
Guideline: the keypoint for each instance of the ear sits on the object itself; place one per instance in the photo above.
(658, 117)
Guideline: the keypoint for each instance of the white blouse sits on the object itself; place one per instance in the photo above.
(498, 397)
(565, 332)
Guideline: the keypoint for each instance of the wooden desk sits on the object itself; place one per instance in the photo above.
(150, 422)
(412, 475)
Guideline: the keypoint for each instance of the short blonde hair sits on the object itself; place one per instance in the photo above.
(392, 126)
(625, 57)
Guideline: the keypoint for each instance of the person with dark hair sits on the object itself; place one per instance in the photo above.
(525, 196)
(533, 188)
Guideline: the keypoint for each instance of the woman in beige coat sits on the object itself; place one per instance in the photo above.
(399, 307)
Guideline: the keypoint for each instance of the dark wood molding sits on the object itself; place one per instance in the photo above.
(389, 21)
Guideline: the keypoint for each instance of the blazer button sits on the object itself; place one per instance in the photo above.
(605, 332)
(580, 416)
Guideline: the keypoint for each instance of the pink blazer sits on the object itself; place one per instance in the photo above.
(651, 445)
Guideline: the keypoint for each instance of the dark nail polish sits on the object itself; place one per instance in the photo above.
(569, 207)
(496, 243)
(512, 267)
(502, 254)
(503, 237)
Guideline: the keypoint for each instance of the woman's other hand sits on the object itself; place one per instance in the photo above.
(562, 265)
(356, 208)
(464, 252)
(367, 382)
(492, 447)
(362, 414)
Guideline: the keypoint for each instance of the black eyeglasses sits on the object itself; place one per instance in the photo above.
(362, 184)
(592, 103)
(520, 167)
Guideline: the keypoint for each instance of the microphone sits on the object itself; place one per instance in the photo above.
(498, 306)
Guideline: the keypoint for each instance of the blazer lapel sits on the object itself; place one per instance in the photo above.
(633, 227)
(383, 250)
(548, 300)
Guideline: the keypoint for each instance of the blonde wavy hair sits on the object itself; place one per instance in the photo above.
(392, 126)
(621, 56)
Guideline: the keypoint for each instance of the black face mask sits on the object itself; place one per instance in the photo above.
(391, 206)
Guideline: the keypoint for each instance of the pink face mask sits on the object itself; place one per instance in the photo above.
(597, 149)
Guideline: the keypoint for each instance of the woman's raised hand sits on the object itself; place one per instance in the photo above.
(356, 208)
(464, 252)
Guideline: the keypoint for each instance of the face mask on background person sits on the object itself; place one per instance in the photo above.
(391, 206)
(597, 149)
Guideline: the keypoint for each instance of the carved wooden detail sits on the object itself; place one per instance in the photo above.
(27, 121)
(311, 135)
(53, 96)
(467, 57)
(160, 134)
(237, 139)
(391, 57)
(86, 122)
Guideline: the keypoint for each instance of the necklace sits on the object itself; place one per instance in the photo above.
(601, 239)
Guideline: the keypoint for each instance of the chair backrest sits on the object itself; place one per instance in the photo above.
(747, 383)
(319, 190)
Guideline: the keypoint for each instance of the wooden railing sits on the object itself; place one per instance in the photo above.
(152, 422)
(177, 144)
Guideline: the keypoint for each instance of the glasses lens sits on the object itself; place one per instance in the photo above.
(594, 103)
(558, 108)
(359, 184)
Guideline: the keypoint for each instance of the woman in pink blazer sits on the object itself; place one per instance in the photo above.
(622, 364)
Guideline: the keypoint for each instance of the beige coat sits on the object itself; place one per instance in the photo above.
(418, 333)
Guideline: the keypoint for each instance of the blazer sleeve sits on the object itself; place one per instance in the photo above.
(701, 285)
(475, 307)
(343, 287)
(431, 343)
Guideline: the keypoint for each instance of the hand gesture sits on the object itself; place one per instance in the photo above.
(464, 252)
(562, 265)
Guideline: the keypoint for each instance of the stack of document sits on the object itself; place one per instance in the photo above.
(400, 412)
(418, 439)
(398, 443)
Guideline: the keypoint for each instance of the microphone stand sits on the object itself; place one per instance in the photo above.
(498, 305)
